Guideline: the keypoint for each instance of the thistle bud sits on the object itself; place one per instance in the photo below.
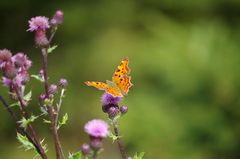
(57, 18)
(63, 83)
(52, 89)
(124, 109)
(85, 149)
(113, 112)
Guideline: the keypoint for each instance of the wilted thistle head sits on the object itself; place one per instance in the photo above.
(97, 128)
(15, 68)
(5, 55)
(21, 60)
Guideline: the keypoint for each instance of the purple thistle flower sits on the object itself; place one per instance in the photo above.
(22, 77)
(6, 82)
(109, 99)
(38, 23)
(97, 128)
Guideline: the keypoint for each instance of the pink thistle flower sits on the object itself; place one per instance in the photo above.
(21, 60)
(6, 82)
(97, 128)
(22, 77)
(38, 23)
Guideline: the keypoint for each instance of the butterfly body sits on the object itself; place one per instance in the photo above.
(121, 81)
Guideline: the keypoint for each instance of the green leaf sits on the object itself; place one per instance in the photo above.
(48, 102)
(50, 50)
(113, 137)
(47, 121)
(26, 144)
(38, 77)
(43, 110)
(14, 104)
(25, 122)
(44, 146)
(64, 121)
(76, 155)
(140, 156)
(28, 96)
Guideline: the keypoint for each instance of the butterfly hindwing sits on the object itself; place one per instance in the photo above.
(124, 84)
(121, 77)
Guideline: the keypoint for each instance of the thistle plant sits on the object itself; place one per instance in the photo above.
(15, 76)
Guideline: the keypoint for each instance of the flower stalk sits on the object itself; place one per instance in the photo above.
(20, 129)
(31, 128)
(50, 109)
(119, 141)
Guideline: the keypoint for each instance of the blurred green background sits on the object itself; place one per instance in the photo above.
(184, 57)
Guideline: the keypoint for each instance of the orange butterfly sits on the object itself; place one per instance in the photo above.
(120, 83)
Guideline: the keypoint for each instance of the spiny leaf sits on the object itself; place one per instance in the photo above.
(26, 144)
(50, 50)
(64, 121)
(14, 104)
(28, 96)
(76, 155)
(44, 146)
(140, 156)
(25, 122)
(38, 77)
(113, 137)
(46, 121)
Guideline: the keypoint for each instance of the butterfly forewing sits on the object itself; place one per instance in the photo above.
(121, 70)
(98, 85)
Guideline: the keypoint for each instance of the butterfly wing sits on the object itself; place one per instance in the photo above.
(109, 88)
(98, 85)
(121, 78)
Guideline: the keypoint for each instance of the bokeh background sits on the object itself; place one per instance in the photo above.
(184, 56)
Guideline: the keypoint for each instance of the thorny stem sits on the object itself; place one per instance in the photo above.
(57, 143)
(54, 30)
(19, 129)
(119, 141)
(94, 155)
(59, 106)
(25, 114)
